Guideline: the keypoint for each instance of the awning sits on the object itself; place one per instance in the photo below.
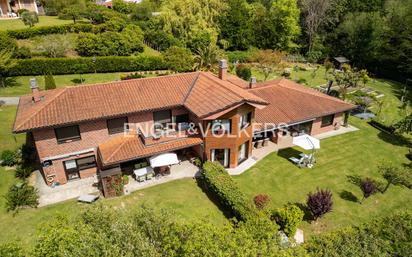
(164, 159)
(306, 142)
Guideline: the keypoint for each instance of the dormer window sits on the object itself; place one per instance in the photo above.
(245, 120)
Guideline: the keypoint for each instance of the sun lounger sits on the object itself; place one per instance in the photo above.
(87, 198)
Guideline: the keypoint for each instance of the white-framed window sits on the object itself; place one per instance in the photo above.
(220, 155)
(245, 120)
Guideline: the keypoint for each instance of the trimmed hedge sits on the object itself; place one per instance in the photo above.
(57, 29)
(218, 182)
(386, 236)
(58, 66)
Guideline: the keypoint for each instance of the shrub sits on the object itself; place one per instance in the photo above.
(20, 11)
(22, 53)
(368, 187)
(395, 176)
(218, 182)
(6, 42)
(301, 81)
(288, 218)
(134, 75)
(21, 195)
(57, 66)
(29, 18)
(53, 46)
(238, 56)
(11, 250)
(319, 202)
(178, 59)
(261, 201)
(49, 82)
(9, 158)
(386, 236)
(125, 179)
(161, 40)
(243, 71)
(57, 29)
(23, 172)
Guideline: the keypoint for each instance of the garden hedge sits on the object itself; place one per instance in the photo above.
(57, 29)
(218, 182)
(57, 66)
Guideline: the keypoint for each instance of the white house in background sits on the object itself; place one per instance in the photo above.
(8, 7)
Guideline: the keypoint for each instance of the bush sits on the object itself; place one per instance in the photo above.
(243, 71)
(134, 75)
(179, 59)
(11, 250)
(57, 29)
(301, 81)
(218, 182)
(58, 66)
(21, 195)
(261, 201)
(53, 46)
(387, 236)
(161, 40)
(319, 202)
(20, 11)
(7, 43)
(125, 179)
(9, 158)
(288, 218)
(22, 53)
(238, 56)
(368, 187)
(49, 82)
(23, 172)
(29, 18)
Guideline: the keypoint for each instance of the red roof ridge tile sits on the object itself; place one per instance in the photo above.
(42, 107)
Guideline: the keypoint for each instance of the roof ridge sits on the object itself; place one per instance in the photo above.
(191, 88)
(311, 91)
(46, 104)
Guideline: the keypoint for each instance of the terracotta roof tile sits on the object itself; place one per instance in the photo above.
(291, 102)
(202, 93)
(121, 148)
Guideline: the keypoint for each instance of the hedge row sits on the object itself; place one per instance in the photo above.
(387, 236)
(56, 66)
(218, 182)
(57, 29)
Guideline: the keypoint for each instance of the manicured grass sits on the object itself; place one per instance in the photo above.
(20, 85)
(10, 24)
(353, 154)
(7, 139)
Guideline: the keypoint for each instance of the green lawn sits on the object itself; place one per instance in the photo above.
(356, 153)
(20, 85)
(7, 139)
(7, 24)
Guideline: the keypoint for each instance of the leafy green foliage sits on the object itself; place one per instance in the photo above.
(56, 66)
(395, 175)
(218, 182)
(11, 250)
(9, 158)
(288, 218)
(7, 43)
(23, 172)
(405, 125)
(178, 59)
(244, 71)
(49, 82)
(73, 12)
(29, 18)
(388, 236)
(6, 64)
(57, 29)
(319, 203)
(161, 40)
(21, 195)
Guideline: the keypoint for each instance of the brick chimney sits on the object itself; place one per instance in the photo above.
(252, 82)
(34, 90)
(223, 69)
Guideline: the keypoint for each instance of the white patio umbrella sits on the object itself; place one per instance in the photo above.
(306, 142)
(163, 159)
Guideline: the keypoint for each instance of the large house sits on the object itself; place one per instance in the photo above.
(8, 7)
(84, 130)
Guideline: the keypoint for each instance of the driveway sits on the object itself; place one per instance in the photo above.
(12, 100)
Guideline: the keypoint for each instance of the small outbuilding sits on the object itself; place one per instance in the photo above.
(340, 61)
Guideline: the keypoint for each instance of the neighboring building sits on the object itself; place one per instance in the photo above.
(338, 62)
(7, 7)
(79, 131)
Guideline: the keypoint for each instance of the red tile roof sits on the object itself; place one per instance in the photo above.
(121, 148)
(291, 102)
(201, 92)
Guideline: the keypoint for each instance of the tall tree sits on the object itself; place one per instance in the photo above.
(314, 13)
(6, 63)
